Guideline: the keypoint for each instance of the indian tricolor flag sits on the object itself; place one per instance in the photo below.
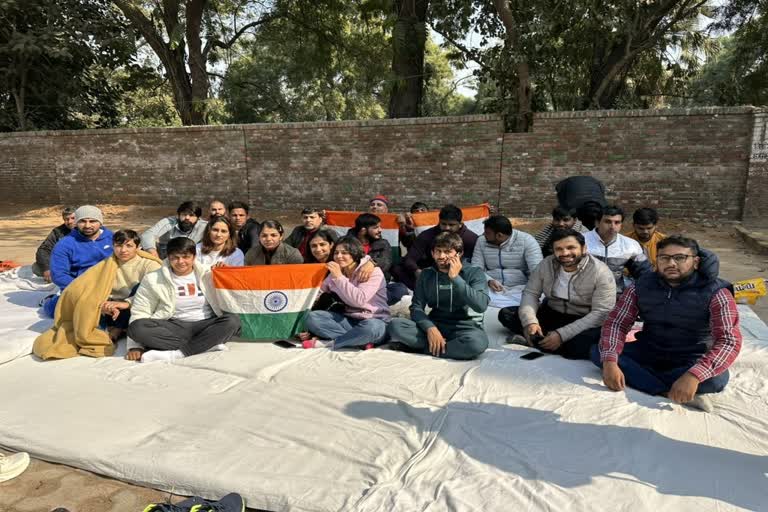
(271, 300)
(472, 217)
(341, 222)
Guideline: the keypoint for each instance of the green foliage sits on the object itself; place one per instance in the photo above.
(54, 55)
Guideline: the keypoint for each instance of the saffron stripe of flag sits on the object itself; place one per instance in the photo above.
(341, 222)
(472, 217)
(271, 300)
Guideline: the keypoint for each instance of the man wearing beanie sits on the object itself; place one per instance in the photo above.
(87, 244)
(379, 204)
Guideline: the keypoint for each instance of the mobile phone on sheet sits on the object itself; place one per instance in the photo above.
(284, 344)
(530, 356)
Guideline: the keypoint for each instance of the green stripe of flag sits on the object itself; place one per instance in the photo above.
(271, 326)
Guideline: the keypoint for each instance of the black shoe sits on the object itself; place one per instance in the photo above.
(232, 502)
(402, 347)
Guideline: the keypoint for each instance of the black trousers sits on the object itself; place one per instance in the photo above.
(577, 347)
(189, 337)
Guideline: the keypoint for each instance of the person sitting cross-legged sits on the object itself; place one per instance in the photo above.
(363, 323)
(94, 310)
(690, 334)
(580, 292)
(508, 256)
(458, 296)
(367, 230)
(174, 312)
(186, 223)
(42, 265)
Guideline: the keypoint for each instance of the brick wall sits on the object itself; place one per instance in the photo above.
(687, 163)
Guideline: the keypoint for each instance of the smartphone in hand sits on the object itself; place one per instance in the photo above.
(285, 344)
(530, 356)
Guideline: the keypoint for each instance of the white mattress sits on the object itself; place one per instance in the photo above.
(386, 431)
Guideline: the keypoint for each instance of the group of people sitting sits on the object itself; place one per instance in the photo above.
(581, 284)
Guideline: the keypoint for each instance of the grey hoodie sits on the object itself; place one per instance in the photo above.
(591, 293)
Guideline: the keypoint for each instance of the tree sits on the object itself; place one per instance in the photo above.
(52, 74)
(186, 36)
(409, 37)
(333, 66)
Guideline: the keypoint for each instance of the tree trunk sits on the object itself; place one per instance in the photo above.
(409, 39)
(19, 97)
(524, 115)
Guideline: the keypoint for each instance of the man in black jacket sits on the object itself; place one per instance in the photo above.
(247, 228)
(368, 230)
(42, 265)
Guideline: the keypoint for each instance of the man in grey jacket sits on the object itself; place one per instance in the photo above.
(580, 291)
(507, 256)
(187, 223)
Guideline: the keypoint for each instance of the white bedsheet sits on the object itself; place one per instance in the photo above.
(386, 431)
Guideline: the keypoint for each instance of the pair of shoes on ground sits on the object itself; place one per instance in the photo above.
(232, 502)
(12, 466)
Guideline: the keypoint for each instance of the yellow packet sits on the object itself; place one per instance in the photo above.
(749, 290)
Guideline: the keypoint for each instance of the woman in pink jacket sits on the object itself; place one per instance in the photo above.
(365, 317)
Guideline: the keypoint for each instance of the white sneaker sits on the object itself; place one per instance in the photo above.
(701, 402)
(12, 466)
(218, 348)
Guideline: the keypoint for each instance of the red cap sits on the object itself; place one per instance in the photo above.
(381, 198)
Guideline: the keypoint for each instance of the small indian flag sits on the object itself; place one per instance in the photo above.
(341, 222)
(271, 300)
(472, 217)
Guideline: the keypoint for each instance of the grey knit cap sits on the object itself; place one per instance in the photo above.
(88, 212)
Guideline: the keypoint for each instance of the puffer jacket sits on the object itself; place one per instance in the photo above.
(510, 263)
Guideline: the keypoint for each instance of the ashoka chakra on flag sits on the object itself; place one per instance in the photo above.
(271, 300)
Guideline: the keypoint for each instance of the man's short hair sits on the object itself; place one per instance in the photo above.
(498, 224)
(450, 212)
(449, 241)
(238, 205)
(181, 246)
(682, 241)
(67, 211)
(610, 211)
(191, 207)
(366, 220)
(418, 205)
(353, 245)
(126, 235)
(559, 213)
(645, 216)
(559, 234)
(310, 211)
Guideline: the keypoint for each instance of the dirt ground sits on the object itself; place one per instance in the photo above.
(44, 486)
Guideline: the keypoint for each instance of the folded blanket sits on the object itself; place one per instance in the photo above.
(75, 328)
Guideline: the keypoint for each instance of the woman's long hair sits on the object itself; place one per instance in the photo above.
(229, 246)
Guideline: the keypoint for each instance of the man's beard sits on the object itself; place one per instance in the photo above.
(186, 225)
(576, 261)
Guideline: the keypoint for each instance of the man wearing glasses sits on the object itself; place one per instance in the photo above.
(690, 334)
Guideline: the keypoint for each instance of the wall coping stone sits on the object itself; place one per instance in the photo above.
(668, 112)
(484, 118)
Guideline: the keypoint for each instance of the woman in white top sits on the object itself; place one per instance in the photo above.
(219, 245)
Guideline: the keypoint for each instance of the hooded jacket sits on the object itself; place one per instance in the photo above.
(622, 252)
(459, 301)
(591, 294)
(75, 253)
(511, 262)
(361, 300)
